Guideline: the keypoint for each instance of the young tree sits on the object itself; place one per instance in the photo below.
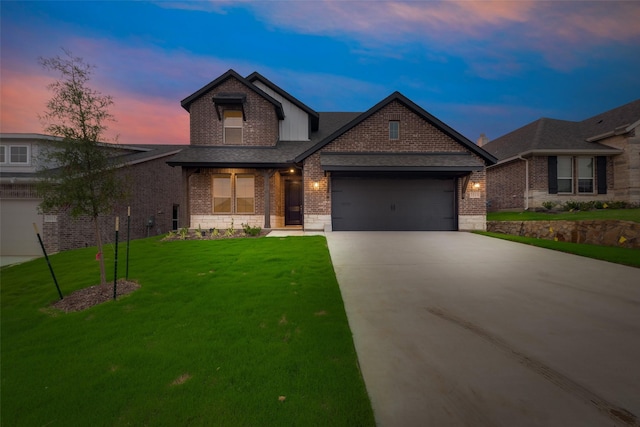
(78, 173)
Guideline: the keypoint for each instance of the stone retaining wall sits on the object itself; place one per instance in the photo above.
(624, 234)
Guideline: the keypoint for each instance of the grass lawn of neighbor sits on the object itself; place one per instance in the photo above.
(596, 214)
(240, 332)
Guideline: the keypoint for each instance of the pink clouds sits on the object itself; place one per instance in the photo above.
(139, 119)
(545, 27)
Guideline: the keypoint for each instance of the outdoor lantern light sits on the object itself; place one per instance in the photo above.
(476, 185)
(316, 185)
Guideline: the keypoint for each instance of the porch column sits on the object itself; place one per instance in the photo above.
(267, 173)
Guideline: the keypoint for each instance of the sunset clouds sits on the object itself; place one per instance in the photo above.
(480, 66)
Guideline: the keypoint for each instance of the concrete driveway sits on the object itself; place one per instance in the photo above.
(458, 329)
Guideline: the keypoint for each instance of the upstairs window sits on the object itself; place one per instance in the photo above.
(585, 174)
(233, 127)
(394, 129)
(14, 154)
(565, 174)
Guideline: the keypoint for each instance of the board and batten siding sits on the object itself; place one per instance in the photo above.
(295, 126)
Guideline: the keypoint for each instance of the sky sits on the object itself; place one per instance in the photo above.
(479, 66)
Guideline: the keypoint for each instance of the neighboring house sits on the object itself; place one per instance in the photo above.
(553, 160)
(261, 157)
(155, 196)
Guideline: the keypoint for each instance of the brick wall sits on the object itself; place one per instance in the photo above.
(154, 189)
(506, 186)
(260, 127)
(372, 135)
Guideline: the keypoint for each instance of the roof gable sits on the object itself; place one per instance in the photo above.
(413, 107)
(553, 135)
(186, 103)
(314, 116)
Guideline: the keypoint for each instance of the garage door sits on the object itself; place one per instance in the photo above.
(393, 203)
(18, 237)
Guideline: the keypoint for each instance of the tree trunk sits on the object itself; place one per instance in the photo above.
(103, 275)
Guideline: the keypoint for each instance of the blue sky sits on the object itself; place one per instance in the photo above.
(479, 66)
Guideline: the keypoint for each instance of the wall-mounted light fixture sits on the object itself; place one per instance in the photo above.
(476, 185)
(291, 170)
(316, 185)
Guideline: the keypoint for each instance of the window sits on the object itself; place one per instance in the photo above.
(222, 194)
(394, 129)
(17, 154)
(565, 174)
(245, 194)
(233, 127)
(585, 174)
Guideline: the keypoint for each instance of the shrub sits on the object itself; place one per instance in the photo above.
(548, 205)
(183, 233)
(251, 231)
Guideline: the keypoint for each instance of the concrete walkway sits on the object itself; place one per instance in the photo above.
(458, 329)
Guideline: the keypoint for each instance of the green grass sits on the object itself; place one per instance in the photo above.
(218, 331)
(607, 253)
(600, 214)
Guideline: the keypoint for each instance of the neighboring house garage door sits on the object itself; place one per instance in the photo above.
(18, 237)
(393, 203)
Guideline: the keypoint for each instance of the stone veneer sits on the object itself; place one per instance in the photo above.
(625, 234)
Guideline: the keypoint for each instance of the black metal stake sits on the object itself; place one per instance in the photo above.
(35, 227)
(115, 273)
(128, 236)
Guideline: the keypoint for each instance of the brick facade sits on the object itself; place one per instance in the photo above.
(507, 181)
(154, 189)
(260, 125)
(372, 135)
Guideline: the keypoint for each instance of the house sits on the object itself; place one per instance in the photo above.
(261, 157)
(155, 196)
(552, 160)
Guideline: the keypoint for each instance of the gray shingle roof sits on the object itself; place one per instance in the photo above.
(281, 155)
(561, 135)
(425, 162)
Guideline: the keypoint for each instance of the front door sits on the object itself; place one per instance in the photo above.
(293, 202)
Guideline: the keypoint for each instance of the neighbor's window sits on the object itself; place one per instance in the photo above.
(222, 194)
(565, 174)
(394, 129)
(245, 194)
(233, 127)
(585, 174)
(19, 154)
(3, 158)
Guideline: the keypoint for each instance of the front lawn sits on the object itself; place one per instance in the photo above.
(606, 253)
(598, 214)
(244, 332)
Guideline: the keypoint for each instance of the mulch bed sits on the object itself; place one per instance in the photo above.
(94, 295)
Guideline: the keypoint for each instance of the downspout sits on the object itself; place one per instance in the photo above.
(526, 182)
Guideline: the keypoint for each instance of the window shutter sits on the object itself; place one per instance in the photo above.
(601, 167)
(553, 175)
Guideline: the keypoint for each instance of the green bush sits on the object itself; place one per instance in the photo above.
(251, 231)
(548, 205)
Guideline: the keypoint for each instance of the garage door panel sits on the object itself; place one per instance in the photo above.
(17, 237)
(390, 203)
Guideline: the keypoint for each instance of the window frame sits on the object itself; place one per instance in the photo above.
(394, 130)
(253, 195)
(8, 154)
(3, 155)
(226, 124)
(564, 178)
(581, 178)
(213, 193)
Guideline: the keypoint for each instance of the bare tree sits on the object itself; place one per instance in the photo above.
(78, 174)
